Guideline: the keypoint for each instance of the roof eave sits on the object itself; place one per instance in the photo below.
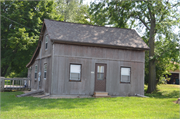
(98, 45)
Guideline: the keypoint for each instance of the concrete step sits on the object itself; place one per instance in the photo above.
(101, 94)
(38, 92)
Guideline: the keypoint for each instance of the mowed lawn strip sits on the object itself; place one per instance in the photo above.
(159, 105)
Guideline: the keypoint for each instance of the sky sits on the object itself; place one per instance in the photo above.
(87, 1)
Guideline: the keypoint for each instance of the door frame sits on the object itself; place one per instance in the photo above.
(105, 72)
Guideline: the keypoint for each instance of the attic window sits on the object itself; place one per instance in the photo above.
(35, 73)
(125, 74)
(45, 70)
(46, 42)
(75, 72)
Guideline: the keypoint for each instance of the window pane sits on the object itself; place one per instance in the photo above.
(100, 69)
(100, 76)
(75, 76)
(75, 72)
(46, 42)
(125, 74)
(75, 69)
(44, 74)
(35, 75)
(46, 45)
(125, 71)
(125, 78)
(36, 68)
(45, 67)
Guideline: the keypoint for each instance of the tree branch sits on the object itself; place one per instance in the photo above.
(145, 24)
(178, 3)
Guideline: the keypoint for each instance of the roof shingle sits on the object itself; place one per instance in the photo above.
(73, 32)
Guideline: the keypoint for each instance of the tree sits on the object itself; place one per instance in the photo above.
(157, 17)
(21, 22)
(73, 11)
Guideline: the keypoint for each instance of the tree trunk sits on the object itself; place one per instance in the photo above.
(152, 65)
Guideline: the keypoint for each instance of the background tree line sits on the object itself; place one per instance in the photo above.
(21, 22)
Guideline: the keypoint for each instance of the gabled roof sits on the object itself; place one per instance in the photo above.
(73, 32)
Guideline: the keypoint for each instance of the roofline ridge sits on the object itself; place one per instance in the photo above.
(88, 24)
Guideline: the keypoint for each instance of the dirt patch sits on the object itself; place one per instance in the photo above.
(177, 101)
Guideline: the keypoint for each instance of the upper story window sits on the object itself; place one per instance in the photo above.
(125, 74)
(75, 72)
(46, 42)
(45, 71)
(35, 71)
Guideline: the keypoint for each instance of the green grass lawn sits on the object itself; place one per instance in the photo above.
(159, 105)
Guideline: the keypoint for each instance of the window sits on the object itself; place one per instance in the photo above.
(45, 70)
(75, 72)
(125, 74)
(35, 71)
(46, 42)
(100, 72)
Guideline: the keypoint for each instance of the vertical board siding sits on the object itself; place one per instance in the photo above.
(42, 49)
(55, 76)
(40, 60)
(88, 56)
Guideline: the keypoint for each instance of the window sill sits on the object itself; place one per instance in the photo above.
(125, 82)
(74, 80)
(35, 80)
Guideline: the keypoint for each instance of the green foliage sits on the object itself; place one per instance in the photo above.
(21, 22)
(98, 14)
(73, 11)
(166, 56)
(110, 13)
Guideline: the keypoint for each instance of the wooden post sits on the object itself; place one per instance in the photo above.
(13, 83)
(2, 84)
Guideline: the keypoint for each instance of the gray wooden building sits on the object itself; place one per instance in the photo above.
(78, 59)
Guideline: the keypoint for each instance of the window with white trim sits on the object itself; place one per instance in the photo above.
(45, 70)
(35, 72)
(46, 42)
(125, 74)
(75, 72)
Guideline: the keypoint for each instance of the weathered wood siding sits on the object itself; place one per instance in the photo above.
(43, 57)
(88, 56)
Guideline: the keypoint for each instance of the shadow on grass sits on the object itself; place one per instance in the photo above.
(163, 94)
(10, 101)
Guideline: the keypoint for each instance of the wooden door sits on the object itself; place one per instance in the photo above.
(100, 77)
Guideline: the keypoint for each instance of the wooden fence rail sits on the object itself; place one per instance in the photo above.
(9, 84)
